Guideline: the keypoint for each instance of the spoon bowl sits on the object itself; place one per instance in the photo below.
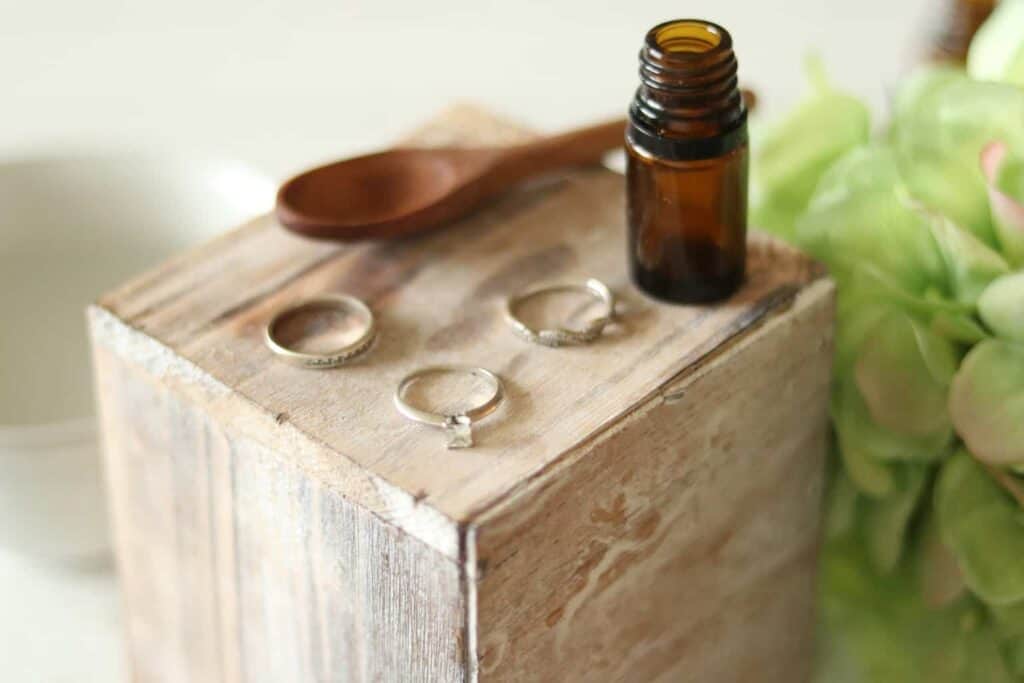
(401, 192)
(366, 196)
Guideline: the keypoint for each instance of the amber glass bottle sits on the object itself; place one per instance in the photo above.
(687, 158)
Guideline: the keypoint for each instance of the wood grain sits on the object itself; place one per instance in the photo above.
(644, 508)
(236, 566)
(679, 546)
(439, 300)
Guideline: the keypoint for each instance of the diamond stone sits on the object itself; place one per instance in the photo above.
(459, 431)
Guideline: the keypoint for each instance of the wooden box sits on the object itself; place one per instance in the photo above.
(642, 509)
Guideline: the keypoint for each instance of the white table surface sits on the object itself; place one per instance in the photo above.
(283, 84)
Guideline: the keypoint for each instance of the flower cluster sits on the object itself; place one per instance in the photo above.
(922, 227)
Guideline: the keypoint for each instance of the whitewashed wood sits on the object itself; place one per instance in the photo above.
(235, 565)
(681, 544)
(188, 335)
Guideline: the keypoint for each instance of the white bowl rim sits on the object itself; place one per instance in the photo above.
(83, 429)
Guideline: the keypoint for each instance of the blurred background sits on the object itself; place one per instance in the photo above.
(281, 84)
(132, 129)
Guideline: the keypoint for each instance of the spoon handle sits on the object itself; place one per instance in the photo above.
(575, 148)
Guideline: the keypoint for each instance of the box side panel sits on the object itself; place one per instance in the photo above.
(680, 546)
(236, 566)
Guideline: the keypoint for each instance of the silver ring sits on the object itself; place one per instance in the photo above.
(561, 336)
(333, 357)
(458, 427)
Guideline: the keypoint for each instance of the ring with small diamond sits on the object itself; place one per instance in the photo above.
(459, 426)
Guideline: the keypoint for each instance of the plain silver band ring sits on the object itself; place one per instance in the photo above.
(562, 336)
(326, 359)
(441, 419)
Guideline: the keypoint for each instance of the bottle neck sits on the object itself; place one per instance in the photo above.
(688, 105)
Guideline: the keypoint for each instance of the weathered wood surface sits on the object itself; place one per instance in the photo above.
(681, 544)
(644, 508)
(439, 299)
(237, 566)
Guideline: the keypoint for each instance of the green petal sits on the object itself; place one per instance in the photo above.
(1004, 172)
(903, 374)
(970, 264)
(875, 458)
(958, 327)
(1001, 307)
(791, 156)
(941, 579)
(984, 527)
(861, 214)
(858, 311)
(938, 132)
(869, 475)
(956, 116)
(918, 90)
(986, 402)
(1009, 619)
(1009, 624)
(841, 506)
(876, 629)
(1013, 650)
(885, 521)
(857, 429)
(884, 290)
(948, 183)
(997, 50)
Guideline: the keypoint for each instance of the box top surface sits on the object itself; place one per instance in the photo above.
(439, 299)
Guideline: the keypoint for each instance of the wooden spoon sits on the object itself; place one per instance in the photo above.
(406, 191)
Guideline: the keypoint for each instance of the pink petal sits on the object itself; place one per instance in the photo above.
(1006, 211)
(992, 156)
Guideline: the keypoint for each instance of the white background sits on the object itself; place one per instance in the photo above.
(285, 82)
(282, 84)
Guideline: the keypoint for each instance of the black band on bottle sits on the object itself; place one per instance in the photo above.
(686, 149)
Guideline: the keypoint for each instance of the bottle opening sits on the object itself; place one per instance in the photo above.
(687, 36)
(688, 83)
